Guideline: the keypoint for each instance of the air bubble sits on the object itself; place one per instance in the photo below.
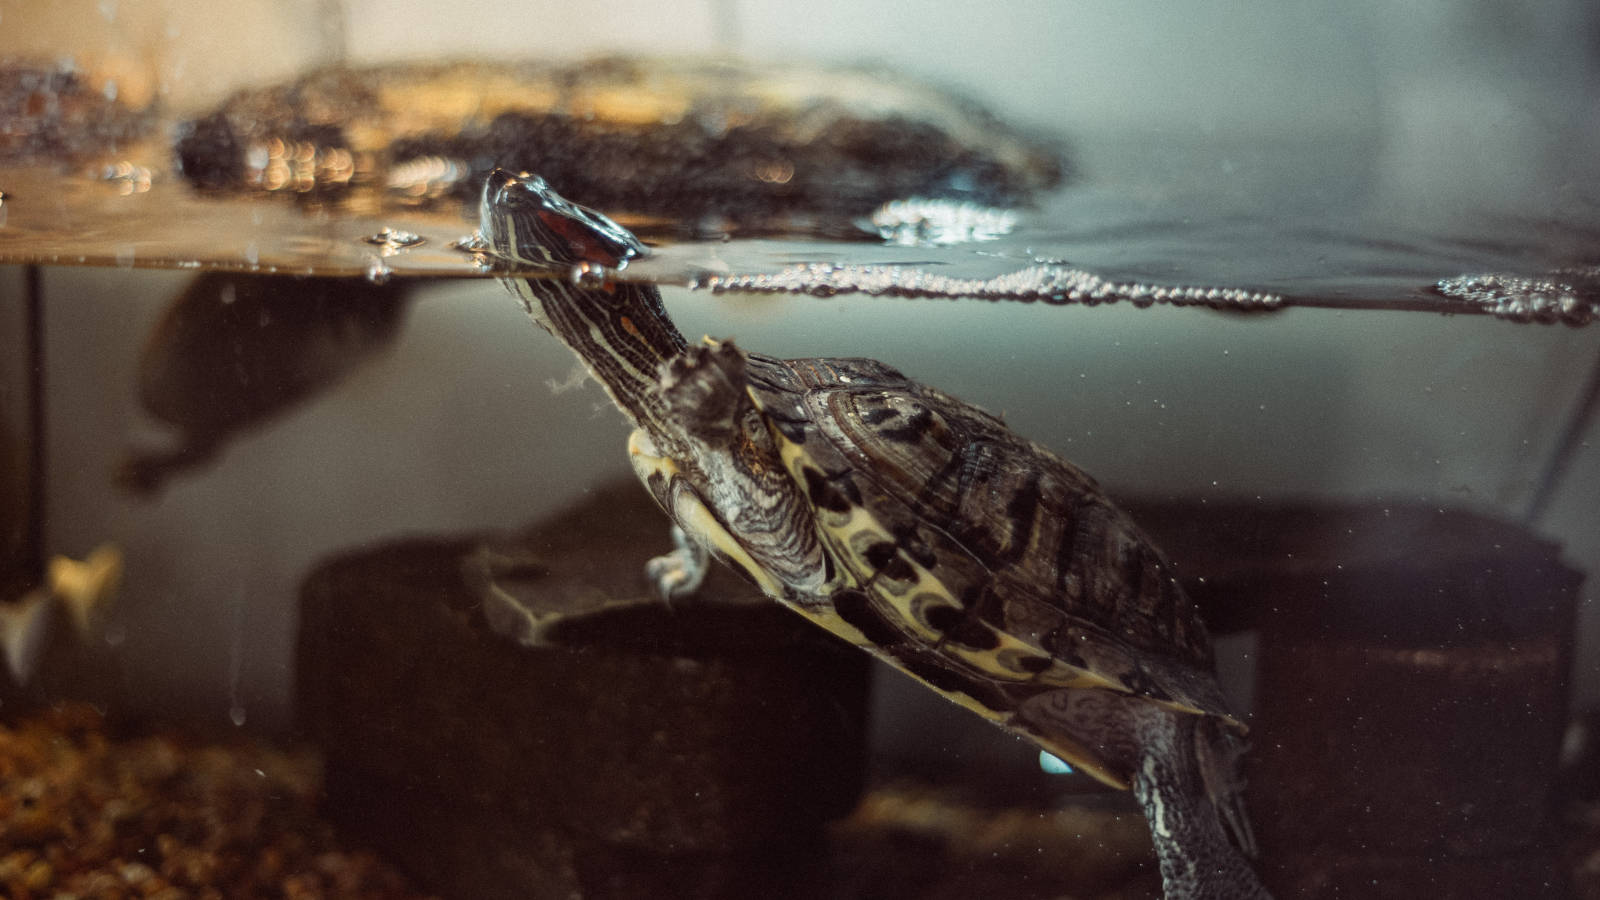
(1054, 284)
(472, 243)
(392, 240)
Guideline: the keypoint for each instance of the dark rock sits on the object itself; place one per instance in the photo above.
(680, 749)
(1410, 690)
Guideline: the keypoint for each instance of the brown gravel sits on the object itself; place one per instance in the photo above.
(84, 814)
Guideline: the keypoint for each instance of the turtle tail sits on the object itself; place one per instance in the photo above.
(1188, 785)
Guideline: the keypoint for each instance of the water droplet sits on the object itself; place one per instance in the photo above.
(589, 275)
(378, 271)
(472, 243)
(393, 240)
(252, 254)
(125, 255)
(236, 715)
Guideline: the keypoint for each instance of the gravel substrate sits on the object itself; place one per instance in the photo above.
(86, 814)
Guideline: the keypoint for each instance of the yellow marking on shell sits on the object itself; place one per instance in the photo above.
(837, 533)
(1060, 674)
(861, 522)
(841, 537)
(1061, 746)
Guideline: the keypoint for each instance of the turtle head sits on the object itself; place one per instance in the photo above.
(525, 221)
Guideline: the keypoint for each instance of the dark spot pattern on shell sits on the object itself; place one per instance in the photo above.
(943, 617)
(1034, 664)
(953, 681)
(911, 540)
(885, 559)
(977, 635)
(823, 494)
(1027, 546)
(856, 608)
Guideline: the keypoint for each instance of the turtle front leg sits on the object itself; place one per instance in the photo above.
(678, 574)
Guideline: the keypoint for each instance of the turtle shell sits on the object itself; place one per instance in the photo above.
(976, 560)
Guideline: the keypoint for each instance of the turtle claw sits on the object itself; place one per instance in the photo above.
(679, 574)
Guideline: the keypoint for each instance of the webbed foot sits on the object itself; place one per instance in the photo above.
(678, 575)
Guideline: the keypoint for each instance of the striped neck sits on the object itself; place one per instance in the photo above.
(620, 332)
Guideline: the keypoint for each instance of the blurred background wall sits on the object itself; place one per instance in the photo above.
(460, 428)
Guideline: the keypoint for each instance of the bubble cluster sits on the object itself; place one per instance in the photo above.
(1568, 296)
(1047, 283)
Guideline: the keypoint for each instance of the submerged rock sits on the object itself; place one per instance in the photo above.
(696, 143)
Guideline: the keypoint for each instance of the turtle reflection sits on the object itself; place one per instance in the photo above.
(234, 351)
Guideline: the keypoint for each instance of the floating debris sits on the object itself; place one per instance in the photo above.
(1568, 296)
(1050, 283)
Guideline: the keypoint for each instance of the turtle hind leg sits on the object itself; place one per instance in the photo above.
(1182, 769)
(1176, 792)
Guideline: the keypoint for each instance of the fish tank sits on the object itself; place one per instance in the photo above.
(1208, 402)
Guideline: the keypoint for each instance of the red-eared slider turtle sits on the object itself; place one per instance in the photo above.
(914, 525)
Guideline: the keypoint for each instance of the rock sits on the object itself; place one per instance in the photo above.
(1410, 690)
(644, 750)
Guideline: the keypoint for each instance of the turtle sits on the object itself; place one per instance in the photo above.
(912, 524)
